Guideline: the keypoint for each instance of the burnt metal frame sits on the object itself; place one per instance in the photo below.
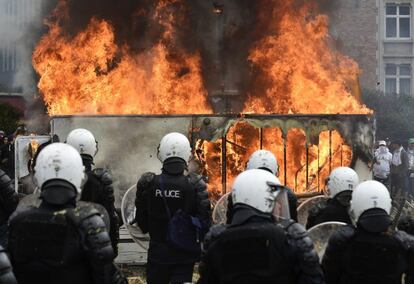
(330, 117)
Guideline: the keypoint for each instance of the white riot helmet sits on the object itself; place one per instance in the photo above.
(263, 159)
(83, 141)
(342, 179)
(368, 195)
(62, 162)
(258, 189)
(174, 145)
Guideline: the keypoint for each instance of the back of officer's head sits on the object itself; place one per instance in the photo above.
(174, 145)
(263, 159)
(83, 141)
(59, 172)
(371, 206)
(256, 188)
(340, 180)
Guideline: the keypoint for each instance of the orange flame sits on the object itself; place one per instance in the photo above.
(91, 74)
(297, 64)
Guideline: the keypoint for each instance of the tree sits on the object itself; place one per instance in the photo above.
(9, 117)
(394, 114)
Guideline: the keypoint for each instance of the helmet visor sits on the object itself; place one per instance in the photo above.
(281, 207)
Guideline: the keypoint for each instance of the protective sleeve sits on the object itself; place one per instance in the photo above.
(307, 268)
(8, 196)
(314, 214)
(141, 201)
(98, 248)
(108, 201)
(406, 224)
(332, 259)
(203, 211)
(408, 244)
(207, 275)
(6, 272)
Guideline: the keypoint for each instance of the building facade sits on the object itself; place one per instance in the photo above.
(378, 34)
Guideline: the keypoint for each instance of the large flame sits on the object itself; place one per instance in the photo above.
(298, 71)
(89, 73)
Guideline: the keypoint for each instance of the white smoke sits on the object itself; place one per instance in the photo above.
(20, 28)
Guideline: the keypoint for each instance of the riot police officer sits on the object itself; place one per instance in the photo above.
(265, 160)
(98, 188)
(158, 199)
(259, 246)
(369, 252)
(8, 203)
(340, 184)
(60, 242)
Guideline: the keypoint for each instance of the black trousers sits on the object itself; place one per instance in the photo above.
(169, 273)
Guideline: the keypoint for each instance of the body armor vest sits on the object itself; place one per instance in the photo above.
(46, 247)
(254, 253)
(374, 258)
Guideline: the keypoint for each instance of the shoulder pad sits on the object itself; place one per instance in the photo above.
(406, 240)
(342, 235)
(21, 209)
(406, 224)
(146, 179)
(103, 175)
(4, 179)
(296, 230)
(195, 178)
(82, 212)
(317, 208)
(197, 182)
(214, 232)
(285, 224)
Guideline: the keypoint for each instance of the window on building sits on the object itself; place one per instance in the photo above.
(398, 21)
(398, 79)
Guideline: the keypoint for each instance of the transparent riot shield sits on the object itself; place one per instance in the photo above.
(25, 148)
(303, 209)
(281, 209)
(321, 233)
(128, 215)
(33, 200)
(220, 210)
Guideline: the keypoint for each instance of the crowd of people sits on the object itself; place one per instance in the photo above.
(67, 239)
(395, 168)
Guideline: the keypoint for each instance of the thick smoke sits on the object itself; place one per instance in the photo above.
(20, 29)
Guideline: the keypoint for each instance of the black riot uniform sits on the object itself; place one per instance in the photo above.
(6, 272)
(203, 202)
(8, 203)
(369, 253)
(334, 209)
(253, 249)
(99, 189)
(406, 224)
(60, 242)
(165, 263)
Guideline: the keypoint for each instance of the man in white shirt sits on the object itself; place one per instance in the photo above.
(382, 164)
